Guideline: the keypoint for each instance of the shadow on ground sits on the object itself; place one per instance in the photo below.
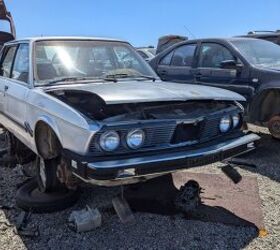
(266, 158)
(151, 231)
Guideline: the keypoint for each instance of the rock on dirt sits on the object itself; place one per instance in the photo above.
(149, 231)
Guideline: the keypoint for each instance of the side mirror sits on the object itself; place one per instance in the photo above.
(230, 64)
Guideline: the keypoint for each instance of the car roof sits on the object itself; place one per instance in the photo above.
(70, 38)
(230, 39)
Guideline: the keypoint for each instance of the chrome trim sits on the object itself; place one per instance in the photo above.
(246, 139)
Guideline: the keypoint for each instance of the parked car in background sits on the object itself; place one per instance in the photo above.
(250, 67)
(147, 53)
(8, 31)
(168, 40)
(94, 109)
(272, 36)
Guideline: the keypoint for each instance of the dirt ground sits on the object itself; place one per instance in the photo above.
(150, 231)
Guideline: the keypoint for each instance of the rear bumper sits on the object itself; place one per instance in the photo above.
(135, 169)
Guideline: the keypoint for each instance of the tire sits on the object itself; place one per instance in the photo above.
(274, 126)
(29, 198)
(46, 174)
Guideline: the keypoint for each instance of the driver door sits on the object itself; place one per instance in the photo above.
(210, 71)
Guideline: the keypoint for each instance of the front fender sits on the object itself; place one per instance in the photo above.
(51, 123)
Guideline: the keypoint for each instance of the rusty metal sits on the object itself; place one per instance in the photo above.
(65, 175)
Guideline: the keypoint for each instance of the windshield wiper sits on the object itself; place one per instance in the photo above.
(114, 77)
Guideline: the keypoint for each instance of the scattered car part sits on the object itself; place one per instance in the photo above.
(5, 16)
(28, 197)
(123, 210)
(188, 198)
(240, 162)
(232, 173)
(22, 220)
(85, 220)
(274, 126)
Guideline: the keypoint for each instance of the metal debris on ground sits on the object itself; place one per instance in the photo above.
(85, 220)
(232, 173)
(7, 207)
(22, 220)
(123, 209)
(240, 162)
(188, 198)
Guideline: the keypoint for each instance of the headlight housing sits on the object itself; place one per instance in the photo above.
(235, 120)
(109, 141)
(225, 124)
(135, 138)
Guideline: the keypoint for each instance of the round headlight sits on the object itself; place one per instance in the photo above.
(135, 138)
(225, 123)
(109, 141)
(235, 120)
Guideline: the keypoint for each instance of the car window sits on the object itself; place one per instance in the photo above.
(212, 54)
(8, 61)
(167, 59)
(21, 65)
(183, 56)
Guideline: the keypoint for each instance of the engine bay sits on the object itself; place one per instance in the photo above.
(93, 107)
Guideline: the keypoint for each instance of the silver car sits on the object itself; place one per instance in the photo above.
(92, 109)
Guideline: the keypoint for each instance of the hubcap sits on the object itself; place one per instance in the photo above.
(42, 172)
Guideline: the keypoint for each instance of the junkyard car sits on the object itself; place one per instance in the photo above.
(94, 109)
(246, 65)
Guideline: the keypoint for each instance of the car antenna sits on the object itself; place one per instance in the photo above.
(189, 31)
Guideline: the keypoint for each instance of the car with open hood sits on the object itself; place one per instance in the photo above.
(93, 109)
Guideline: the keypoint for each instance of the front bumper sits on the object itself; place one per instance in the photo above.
(135, 169)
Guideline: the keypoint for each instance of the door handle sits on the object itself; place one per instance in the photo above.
(6, 88)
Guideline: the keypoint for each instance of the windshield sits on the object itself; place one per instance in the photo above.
(57, 61)
(259, 52)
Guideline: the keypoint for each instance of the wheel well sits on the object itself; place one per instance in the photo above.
(47, 142)
(266, 105)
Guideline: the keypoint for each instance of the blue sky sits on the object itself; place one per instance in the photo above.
(142, 22)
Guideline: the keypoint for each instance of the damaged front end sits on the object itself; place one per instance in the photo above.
(139, 141)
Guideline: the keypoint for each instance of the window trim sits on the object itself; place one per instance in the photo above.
(213, 68)
(5, 50)
(194, 56)
(12, 68)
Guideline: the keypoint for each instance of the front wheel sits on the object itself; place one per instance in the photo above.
(46, 173)
(274, 126)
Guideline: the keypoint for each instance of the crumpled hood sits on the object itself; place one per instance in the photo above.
(147, 91)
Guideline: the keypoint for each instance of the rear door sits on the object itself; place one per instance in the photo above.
(177, 65)
(210, 72)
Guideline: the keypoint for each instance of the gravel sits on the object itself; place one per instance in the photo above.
(150, 231)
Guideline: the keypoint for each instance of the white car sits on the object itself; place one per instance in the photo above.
(92, 109)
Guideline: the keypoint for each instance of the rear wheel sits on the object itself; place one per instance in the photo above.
(46, 173)
(274, 126)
